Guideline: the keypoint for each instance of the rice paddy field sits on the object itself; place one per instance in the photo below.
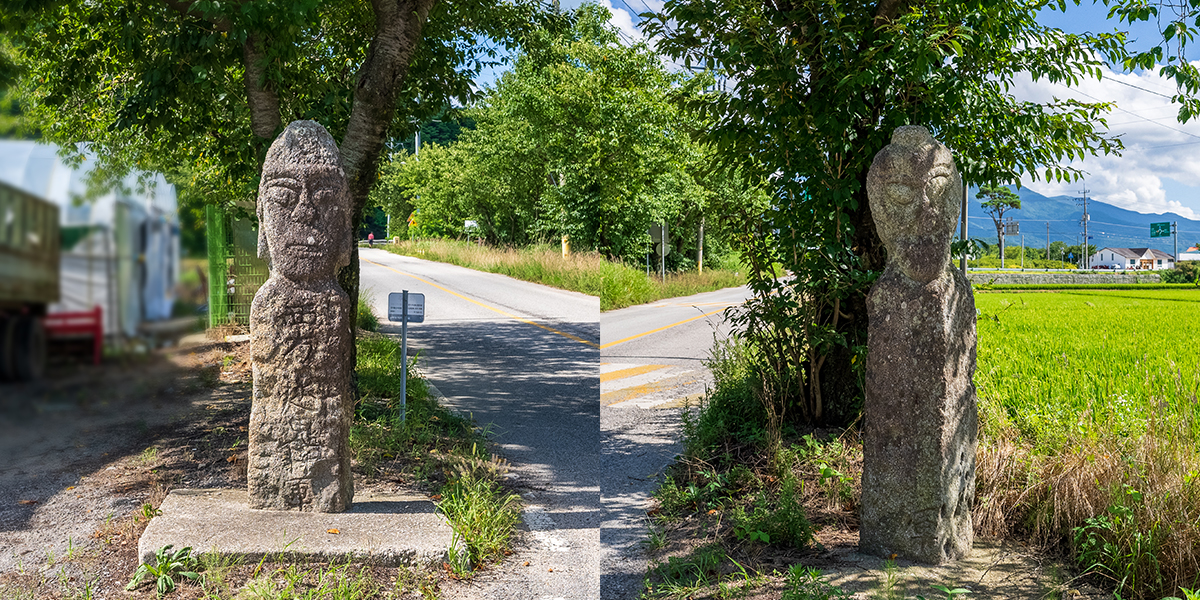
(1072, 364)
(1090, 430)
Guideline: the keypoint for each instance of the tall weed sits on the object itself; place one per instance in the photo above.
(616, 284)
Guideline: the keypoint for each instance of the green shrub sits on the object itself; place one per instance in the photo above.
(778, 520)
(805, 583)
(732, 410)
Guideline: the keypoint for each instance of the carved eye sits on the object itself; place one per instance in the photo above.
(900, 193)
(937, 185)
(281, 195)
(325, 197)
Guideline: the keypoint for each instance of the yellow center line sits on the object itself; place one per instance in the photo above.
(630, 372)
(663, 328)
(493, 309)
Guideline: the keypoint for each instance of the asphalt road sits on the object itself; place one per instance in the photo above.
(523, 360)
(651, 361)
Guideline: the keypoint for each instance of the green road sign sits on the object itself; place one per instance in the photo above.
(1160, 230)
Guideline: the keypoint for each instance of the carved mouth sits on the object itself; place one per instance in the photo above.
(304, 248)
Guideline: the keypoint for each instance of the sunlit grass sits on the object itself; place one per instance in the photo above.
(1090, 424)
(617, 285)
(1090, 363)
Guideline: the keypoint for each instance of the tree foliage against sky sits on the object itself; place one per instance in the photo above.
(813, 90)
(198, 89)
(581, 138)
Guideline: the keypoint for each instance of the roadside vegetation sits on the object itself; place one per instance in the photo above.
(433, 450)
(441, 451)
(616, 284)
(1089, 425)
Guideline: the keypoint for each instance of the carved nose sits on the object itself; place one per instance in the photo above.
(304, 212)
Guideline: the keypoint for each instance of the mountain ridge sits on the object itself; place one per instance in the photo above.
(1108, 226)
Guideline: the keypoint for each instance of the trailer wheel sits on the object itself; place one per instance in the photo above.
(29, 362)
(8, 326)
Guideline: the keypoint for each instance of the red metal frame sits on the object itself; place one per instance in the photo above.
(69, 324)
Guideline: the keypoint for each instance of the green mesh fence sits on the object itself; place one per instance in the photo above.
(234, 269)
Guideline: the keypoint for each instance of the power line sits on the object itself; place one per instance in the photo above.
(1131, 113)
(1115, 80)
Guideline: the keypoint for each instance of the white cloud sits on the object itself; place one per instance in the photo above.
(623, 14)
(1157, 146)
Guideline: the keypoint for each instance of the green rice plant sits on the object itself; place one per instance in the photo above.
(1090, 420)
(1088, 364)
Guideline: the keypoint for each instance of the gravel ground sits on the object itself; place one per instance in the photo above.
(85, 451)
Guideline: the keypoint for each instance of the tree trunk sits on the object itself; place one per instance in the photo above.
(398, 26)
(265, 120)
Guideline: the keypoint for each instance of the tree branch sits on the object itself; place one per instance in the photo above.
(887, 10)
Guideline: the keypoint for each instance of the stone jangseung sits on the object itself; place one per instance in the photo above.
(921, 416)
(300, 329)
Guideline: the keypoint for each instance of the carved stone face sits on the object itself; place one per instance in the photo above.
(303, 205)
(915, 193)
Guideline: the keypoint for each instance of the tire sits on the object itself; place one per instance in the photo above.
(29, 362)
(7, 347)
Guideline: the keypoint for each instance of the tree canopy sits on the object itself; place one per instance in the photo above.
(581, 138)
(813, 90)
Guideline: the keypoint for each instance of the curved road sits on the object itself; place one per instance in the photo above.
(651, 363)
(522, 359)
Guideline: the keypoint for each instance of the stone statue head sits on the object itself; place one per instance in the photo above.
(915, 193)
(304, 205)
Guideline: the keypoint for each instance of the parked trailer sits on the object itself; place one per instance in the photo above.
(29, 280)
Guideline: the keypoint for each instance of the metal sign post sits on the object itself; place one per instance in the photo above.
(405, 307)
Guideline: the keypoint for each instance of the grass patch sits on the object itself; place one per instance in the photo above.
(1090, 426)
(364, 317)
(617, 285)
(440, 450)
(987, 287)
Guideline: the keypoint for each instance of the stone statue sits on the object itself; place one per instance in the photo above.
(301, 329)
(921, 419)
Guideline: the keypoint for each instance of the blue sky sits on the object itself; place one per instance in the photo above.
(1158, 172)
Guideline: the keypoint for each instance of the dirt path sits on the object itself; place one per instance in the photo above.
(83, 450)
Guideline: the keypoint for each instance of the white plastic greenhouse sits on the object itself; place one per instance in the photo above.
(120, 248)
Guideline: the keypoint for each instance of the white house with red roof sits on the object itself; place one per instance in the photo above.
(1132, 258)
(1192, 253)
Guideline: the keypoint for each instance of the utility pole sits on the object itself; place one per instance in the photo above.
(1083, 249)
(1175, 232)
(1011, 228)
(700, 248)
(1047, 240)
(1022, 252)
(662, 253)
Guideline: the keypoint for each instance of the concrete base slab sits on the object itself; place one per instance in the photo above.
(378, 530)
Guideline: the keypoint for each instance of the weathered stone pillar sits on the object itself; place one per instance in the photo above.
(300, 329)
(921, 419)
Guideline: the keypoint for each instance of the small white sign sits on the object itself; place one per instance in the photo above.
(469, 225)
(416, 307)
